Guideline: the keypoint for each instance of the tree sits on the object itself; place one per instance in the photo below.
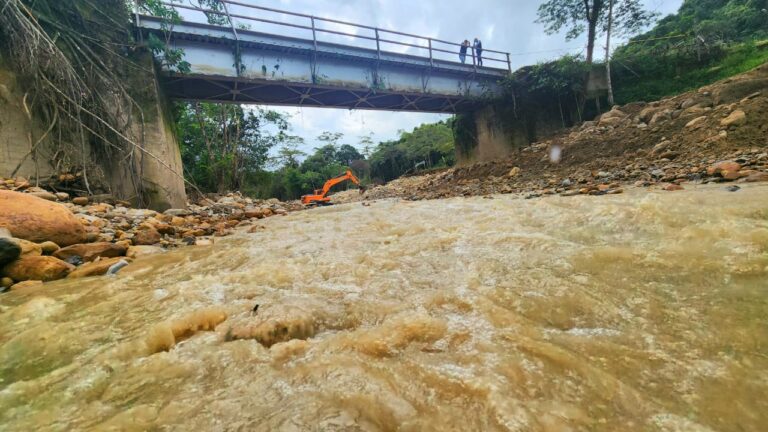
(347, 154)
(224, 147)
(289, 154)
(578, 16)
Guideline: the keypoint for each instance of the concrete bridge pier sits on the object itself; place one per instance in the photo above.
(159, 176)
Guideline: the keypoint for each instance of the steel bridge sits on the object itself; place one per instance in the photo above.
(322, 63)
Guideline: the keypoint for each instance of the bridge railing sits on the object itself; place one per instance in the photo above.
(432, 46)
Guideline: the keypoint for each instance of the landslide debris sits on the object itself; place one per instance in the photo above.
(718, 133)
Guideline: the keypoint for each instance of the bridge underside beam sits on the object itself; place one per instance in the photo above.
(227, 90)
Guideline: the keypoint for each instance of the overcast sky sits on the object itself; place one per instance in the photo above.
(503, 25)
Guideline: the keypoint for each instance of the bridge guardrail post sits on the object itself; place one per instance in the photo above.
(378, 46)
(509, 64)
(314, 53)
(431, 61)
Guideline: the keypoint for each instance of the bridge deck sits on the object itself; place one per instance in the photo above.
(283, 70)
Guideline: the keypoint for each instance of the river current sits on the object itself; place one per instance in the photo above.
(646, 311)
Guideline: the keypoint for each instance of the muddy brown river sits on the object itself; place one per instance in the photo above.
(646, 311)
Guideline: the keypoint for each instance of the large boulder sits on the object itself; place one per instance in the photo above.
(38, 220)
(91, 251)
(42, 268)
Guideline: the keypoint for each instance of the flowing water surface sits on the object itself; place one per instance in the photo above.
(645, 311)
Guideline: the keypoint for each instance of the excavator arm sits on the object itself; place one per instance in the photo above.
(320, 195)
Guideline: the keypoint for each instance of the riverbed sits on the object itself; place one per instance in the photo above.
(643, 311)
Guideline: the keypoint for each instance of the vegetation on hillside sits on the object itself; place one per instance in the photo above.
(705, 41)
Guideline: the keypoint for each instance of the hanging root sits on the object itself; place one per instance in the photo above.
(72, 71)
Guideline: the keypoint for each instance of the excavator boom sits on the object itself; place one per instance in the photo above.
(320, 195)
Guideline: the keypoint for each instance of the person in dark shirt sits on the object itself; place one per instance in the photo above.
(479, 51)
(463, 51)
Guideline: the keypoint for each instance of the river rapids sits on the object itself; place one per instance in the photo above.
(644, 311)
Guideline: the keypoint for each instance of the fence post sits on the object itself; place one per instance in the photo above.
(238, 58)
(136, 11)
(431, 61)
(314, 53)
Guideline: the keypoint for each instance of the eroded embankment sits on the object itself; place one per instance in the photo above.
(638, 311)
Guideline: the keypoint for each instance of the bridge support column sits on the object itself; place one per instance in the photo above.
(486, 134)
(498, 130)
(162, 181)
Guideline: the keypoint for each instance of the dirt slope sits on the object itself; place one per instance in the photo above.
(665, 143)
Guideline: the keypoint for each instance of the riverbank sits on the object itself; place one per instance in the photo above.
(47, 235)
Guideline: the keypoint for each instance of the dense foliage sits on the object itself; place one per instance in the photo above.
(224, 147)
(705, 41)
(426, 147)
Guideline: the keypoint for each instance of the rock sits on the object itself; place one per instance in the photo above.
(81, 201)
(6, 282)
(26, 284)
(42, 268)
(514, 172)
(673, 187)
(733, 188)
(9, 251)
(38, 220)
(660, 117)
(28, 248)
(669, 155)
(114, 268)
(62, 196)
(43, 195)
(90, 251)
(146, 236)
(695, 122)
(727, 166)
(49, 247)
(177, 212)
(757, 177)
(737, 118)
(139, 251)
(730, 175)
(96, 268)
(647, 114)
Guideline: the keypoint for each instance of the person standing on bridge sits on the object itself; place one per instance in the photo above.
(463, 51)
(479, 51)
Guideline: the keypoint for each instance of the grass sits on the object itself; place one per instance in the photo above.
(669, 79)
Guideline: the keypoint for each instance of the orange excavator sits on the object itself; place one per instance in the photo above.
(320, 198)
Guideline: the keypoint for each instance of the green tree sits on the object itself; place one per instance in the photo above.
(578, 16)
(346, 154)
(225, 147)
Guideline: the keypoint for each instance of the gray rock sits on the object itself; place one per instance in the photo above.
(9, 251)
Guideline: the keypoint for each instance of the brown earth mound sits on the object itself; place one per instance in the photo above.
(675, 140)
